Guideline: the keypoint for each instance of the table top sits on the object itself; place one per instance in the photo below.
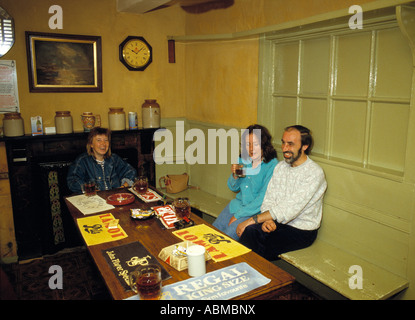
(150, 234)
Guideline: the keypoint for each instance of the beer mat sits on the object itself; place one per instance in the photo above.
(126, 258)
(220, 246)
(149, 196)
(166, 215)
(99, 229)
(89, 205)
(222, 284)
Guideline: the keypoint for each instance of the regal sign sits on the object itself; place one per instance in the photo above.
(222, 284)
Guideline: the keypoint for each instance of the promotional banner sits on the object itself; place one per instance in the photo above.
(222, 284)
(149, 196)
(219, 246)
(100, 228)
(126, 258)
(167, 216)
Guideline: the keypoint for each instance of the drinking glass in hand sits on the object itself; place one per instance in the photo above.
(146, 281)
(240, 171)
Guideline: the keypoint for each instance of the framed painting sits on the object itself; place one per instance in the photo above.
(64, 62)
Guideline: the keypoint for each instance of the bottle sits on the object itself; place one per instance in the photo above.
(150, 114)
(116, 119)
(13, 125)
(63, 122)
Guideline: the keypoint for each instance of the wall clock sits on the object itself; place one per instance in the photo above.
(136, 53)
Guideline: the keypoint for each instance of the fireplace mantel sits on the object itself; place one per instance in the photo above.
(29, 157)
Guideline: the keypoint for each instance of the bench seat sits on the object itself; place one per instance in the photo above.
(203, 201)
(330, 266)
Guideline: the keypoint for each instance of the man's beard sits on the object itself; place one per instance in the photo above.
(293, 159)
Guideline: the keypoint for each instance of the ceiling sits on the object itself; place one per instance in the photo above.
(191, 6)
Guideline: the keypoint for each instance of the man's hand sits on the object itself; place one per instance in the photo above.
(241, 227)
(269, 226)
(265, 218)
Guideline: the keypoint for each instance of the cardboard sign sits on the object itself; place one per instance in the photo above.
(166, 215)
(126, 258)
(222, 284)
(149, 196)
(219, 246)
(95, 229)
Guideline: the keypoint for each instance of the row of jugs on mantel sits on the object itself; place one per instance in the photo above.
(13, 123)
(150, 111)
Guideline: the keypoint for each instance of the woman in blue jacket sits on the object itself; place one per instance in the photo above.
(98, 164)
(259, 159)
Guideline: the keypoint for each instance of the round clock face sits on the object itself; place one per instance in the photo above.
(136, 53)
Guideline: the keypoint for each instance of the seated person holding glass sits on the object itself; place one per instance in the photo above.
(259, 159)
(293, 204)
(99, 165)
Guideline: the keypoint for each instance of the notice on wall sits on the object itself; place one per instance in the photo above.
(9, 96)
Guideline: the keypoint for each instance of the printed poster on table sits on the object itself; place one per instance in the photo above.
(149, 196)
(96, 229)
(167, 215)
(128, 257)
(222, 284)
(219, 246)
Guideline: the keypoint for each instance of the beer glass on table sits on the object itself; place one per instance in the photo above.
(182, 207)
(146, 281)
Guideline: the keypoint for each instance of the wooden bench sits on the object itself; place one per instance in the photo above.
(207, 205)
(330, 266)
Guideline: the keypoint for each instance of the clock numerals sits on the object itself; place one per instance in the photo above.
(136, 53)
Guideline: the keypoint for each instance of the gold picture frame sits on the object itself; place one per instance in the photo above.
(64, 62)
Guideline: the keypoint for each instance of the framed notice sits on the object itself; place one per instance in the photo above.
(9, 97)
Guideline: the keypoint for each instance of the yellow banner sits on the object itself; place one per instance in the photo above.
(219, 246)
(100, 228)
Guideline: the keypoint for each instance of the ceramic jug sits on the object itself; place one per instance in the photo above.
(88, 121)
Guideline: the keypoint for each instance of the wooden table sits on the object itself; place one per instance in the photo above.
(154, 238)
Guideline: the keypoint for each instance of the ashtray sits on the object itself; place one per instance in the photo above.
(120, 199)
(141, 214)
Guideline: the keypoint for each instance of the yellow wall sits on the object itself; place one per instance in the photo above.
(252, 14)
(209, 82)
(225, 82)
(222, 76)
(121, 88)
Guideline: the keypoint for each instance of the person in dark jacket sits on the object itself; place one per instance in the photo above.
(98, 164)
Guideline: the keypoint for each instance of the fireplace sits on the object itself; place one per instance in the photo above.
(38, 168)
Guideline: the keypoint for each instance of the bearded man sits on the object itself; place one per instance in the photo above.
(291, 212)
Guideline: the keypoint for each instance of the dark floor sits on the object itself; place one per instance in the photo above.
(81, 279)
